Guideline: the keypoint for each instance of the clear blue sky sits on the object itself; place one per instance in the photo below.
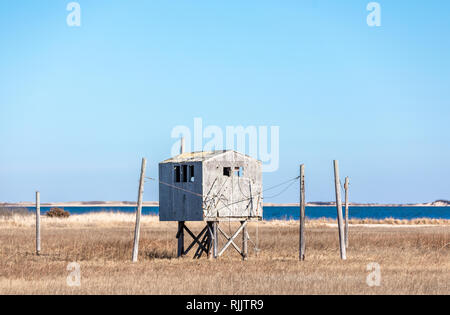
(79, 107)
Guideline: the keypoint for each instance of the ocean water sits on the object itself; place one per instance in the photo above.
(286, 213)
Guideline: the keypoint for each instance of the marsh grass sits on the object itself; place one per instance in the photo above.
(414, 259)
(14, 212)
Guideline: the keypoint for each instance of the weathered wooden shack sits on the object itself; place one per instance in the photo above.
(212, 187)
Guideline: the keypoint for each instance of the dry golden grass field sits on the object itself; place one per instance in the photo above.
(414, 258)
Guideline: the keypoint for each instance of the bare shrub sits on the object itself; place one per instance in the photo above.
(57, 213)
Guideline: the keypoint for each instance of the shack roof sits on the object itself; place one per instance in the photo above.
(199, 156)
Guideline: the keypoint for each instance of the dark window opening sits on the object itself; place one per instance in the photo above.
(177, 174)
(227, 171)
(239, 171)
(185, 173)
(191, 173)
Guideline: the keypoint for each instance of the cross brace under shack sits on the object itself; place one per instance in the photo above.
(207, 240)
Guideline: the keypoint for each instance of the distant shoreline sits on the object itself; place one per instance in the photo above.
(439, 203)
(333, 204)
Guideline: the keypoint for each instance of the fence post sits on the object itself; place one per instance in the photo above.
(346, 211)
(137, 228)
(302, 213)
(339, 211)
(38, 223)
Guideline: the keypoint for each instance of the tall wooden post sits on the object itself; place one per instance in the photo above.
(180, 239)
(244, 242)
(137, 228)
(38, 223)
(340, 219)
(302, 213)
(346, 211)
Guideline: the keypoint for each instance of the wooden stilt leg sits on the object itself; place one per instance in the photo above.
(244, 242)
(216, 240)
(210, 239)
(180, 236)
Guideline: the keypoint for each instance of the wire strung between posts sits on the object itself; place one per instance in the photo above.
(282, 191)
(286, 182)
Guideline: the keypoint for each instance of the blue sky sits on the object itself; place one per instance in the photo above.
(80, 106)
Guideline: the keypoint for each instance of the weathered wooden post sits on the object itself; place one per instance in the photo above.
(302, 213)
(339, 211)
(244, 242)
(346, 211)
(137, 228)
(38, 223)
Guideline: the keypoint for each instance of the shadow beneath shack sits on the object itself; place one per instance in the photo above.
(158, 254)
